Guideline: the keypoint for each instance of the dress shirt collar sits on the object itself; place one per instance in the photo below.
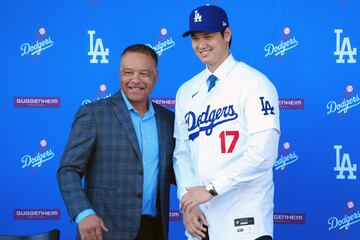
(130, 107)
(223, 69)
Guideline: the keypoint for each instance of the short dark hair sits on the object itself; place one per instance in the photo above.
(222, 32)
(142, 48)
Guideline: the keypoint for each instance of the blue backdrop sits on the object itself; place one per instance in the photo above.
(58, 55)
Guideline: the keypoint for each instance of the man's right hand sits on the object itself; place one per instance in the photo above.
(91, 227)
(194, 222)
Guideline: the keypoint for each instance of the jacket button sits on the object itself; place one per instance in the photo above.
(141, 172)
(139, 195)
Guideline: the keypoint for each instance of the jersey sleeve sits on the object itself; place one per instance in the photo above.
(262, 107)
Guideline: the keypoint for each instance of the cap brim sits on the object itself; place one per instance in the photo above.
(187, 33)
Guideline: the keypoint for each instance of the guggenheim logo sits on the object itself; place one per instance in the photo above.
(36, 214)
(289, 218)
(36, 102)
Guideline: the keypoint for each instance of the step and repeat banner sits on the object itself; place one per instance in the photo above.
(59, 55)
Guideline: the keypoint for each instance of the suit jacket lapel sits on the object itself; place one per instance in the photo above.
(162, 137)
(122, 113)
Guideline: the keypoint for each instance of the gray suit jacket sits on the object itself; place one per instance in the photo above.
(104, 149)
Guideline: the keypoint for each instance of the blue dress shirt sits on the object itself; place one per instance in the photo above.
(147, 135)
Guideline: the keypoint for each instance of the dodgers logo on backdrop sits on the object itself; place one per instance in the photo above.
(287, 157)
(343, 106)
(343, 164)
(97, 50)
(344, 48)
(209, 119)
(281, 48)
(163, 44)
(286, 43)
(37, 160)
(344, 222)
(349, 101)
(285, 160)
(42, 43)
(36, 48)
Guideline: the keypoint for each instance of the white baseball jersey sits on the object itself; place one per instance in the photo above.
(229, 137)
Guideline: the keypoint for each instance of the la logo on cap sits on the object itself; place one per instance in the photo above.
(197, 17)
(207, 19)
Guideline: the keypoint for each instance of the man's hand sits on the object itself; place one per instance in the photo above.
(193, 197)
(194, 222)
(91, 227)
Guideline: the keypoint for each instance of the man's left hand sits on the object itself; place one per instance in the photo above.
(194, 196)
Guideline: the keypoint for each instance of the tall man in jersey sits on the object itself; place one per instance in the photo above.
(227, 133)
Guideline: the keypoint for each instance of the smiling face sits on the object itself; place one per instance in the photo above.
(138, 76)
(211, 48)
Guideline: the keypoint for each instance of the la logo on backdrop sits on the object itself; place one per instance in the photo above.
(35, 48)
(37, 160)
(283, 45)
(345, 168)
(164, 42)
(97, 49)
(343, 48)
